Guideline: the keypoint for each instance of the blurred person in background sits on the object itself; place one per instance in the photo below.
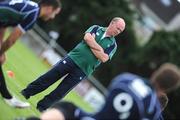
(21, 15)
(130, 97)
(98, 46)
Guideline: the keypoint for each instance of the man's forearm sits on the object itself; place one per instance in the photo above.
(5, 46)
(13, 37)
(103, 57)
(2, 32)
(91, 42)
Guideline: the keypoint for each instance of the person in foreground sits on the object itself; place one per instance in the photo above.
(130, 97)
(98, 46)
(21, 16)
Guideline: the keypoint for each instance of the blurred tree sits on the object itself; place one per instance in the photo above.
(162, 47)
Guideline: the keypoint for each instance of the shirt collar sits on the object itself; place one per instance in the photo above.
(104, 35)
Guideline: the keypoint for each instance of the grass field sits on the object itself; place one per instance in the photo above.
(27, 67)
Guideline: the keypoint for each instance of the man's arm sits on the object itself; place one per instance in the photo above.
(95, 47)
(103, 57)
(91, 42)
(2, 32)
(13, 37)
(2, 57)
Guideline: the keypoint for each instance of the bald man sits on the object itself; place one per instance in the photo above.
(98, 46)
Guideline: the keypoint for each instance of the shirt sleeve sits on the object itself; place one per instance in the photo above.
(111, 50)
(29, 21)
(92, 29)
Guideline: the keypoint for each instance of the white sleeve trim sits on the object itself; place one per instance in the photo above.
(20, 27)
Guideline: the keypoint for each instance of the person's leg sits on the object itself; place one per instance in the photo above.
(68, 83)
(3, 88)
(44, 81)
(8, 98)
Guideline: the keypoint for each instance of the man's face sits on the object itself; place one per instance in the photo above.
(116, 27)
(50, 13)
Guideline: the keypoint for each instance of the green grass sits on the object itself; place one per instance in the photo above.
(27, 67)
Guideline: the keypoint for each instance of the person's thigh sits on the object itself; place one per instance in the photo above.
(78, 74)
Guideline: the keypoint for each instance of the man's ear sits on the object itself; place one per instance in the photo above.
(163, 99)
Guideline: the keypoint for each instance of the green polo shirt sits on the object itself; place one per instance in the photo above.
(84, 57)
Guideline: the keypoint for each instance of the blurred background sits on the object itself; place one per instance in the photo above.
(151, 37)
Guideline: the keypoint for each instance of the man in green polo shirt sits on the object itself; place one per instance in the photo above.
(98, 46)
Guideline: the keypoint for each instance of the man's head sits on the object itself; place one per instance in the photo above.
(116, 26)
(49, 114)
(166, 78)
(58, 111)
(52, 114)
(49, 9)
(67, 109)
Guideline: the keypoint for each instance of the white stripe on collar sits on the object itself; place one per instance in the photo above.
(104, 35)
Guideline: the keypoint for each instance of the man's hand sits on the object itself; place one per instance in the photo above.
(95, 47)
(2, 59)
(91, 42)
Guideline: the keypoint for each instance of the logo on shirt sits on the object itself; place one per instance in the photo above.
(64, 62)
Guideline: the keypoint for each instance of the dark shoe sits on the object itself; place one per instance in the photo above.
(25, 94)
(40, 108)
(43, 104)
